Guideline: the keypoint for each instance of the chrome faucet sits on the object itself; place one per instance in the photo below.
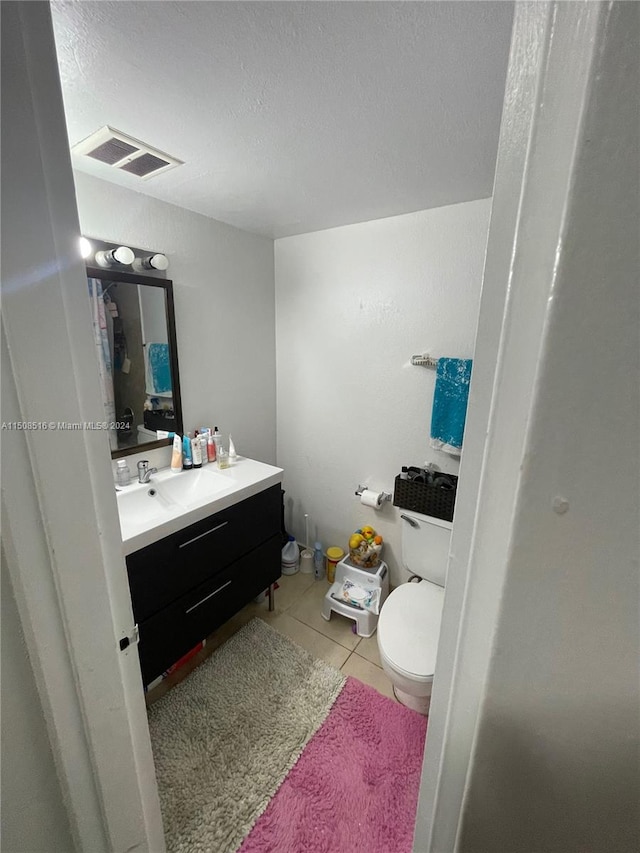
(144, 472)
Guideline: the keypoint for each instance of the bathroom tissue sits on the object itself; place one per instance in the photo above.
(369, 498)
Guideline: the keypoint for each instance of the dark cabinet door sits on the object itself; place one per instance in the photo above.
(166, 570)
(170, 633)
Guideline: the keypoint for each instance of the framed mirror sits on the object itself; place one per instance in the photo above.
(135, 337)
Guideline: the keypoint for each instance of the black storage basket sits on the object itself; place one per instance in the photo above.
(426, 498)
(160, 419)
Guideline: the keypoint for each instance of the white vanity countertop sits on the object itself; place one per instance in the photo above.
(182, 499)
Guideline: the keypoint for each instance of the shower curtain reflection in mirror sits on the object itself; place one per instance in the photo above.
(103, 338)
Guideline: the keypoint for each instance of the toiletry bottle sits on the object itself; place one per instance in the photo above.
(223, 457)
(318, 562)
(176, 455)
(195, 452)
(232, 451)
(217, 437)
(290, 557)
(187, 462)
(123, 474)
(211, 448)
(202, 438)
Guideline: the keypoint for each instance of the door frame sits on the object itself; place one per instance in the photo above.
(552, 71)
(59, 514)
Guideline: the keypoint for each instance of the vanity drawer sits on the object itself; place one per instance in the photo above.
(171, 633)
(176, 564)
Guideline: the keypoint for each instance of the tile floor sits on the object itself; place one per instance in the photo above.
(298, 615)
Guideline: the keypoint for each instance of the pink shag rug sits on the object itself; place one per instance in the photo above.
(354, 789)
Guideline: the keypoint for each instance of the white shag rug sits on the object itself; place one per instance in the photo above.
(225, 738)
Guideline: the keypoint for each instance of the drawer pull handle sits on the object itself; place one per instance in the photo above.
(206, 533)
(207, 597)
(410, 520)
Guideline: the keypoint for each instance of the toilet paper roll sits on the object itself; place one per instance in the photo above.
(369, 498)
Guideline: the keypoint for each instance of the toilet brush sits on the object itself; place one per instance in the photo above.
(306, 557)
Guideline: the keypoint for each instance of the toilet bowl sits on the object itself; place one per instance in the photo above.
(410, 618)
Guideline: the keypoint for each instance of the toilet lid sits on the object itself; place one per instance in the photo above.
(409, 627)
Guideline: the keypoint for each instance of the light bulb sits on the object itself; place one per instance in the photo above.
(122, 256)
(159, 262)
(85, 248)
(152, 262)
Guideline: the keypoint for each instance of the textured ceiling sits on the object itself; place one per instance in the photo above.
(293, 116)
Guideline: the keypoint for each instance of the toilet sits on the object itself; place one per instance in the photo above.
(409, 623)
(145, 435)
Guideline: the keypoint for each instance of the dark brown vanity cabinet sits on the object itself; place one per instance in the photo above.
(186, 585)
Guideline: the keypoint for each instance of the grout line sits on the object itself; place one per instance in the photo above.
(370, 661)
(345, 663)
(326, 636)
(337, 643)
(297, 601)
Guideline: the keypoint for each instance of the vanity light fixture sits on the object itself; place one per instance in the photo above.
(121, 257)
(152, 262)
(86, 249)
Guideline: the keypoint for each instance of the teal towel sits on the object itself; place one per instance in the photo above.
(159, 368)
(450, 404)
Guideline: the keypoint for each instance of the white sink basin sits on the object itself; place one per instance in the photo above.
(146, 503)
(190, 488)
(169, 502)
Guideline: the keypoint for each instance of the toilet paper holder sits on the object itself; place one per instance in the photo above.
(384, 496)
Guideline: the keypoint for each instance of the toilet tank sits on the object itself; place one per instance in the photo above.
(425, 545)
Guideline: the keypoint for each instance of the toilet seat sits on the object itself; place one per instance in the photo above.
(409, 628)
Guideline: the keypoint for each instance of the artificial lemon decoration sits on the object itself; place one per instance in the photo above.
(365, 547)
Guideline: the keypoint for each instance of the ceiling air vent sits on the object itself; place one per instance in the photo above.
(120, 151)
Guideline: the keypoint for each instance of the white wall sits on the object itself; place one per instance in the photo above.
(224, 302)
(34, 817)
(353, 304)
